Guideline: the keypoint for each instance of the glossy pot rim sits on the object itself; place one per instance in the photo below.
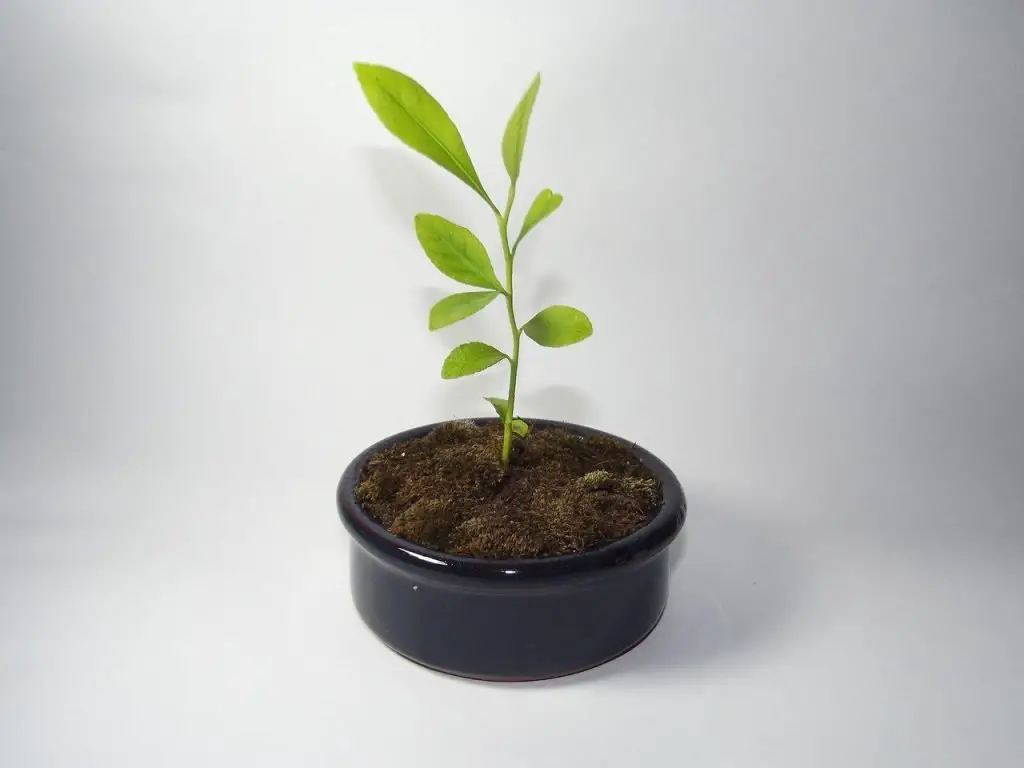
(632, 550)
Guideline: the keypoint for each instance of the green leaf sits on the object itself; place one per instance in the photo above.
(469, 358)
(417, 120)
(458, 306)
(514, 140)
(558, 326)
(543, 205)
(500, 406)
(456, 252)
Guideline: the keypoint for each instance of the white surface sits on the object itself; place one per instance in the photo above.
(797, 229)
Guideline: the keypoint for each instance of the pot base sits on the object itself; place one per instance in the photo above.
(509, 632)
(486, 679)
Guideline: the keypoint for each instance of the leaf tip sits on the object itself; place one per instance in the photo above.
(363, 69)
(420, 220)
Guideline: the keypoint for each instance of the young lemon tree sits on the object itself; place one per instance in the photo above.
(415, 117)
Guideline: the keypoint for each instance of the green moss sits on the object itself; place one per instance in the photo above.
(599, 479)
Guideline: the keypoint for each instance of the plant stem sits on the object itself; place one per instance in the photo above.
(506, 442)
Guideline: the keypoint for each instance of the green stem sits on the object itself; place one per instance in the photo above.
(506, 442)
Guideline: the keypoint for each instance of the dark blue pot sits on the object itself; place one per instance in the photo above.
(510, 620)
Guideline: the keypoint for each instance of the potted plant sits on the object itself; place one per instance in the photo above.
(501, 548)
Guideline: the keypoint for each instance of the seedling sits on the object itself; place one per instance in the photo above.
(415, 117)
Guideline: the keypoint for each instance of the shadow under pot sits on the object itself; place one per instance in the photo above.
(511, 620)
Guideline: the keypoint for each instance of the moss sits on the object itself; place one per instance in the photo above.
(427, 521)
(597, 480)
(641, 487)
(563, 493)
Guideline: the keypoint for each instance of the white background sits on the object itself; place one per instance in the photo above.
(797, 227)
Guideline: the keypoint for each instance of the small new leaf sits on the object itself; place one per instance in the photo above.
(500, 404)
(456, 252)
(543, 205)
(457, 307)
(558, 326)
(416, 118)
(469, 358)
(514, 140)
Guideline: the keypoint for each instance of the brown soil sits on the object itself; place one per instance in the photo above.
(563, 493)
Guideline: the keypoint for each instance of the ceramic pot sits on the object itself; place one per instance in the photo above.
(510, 620)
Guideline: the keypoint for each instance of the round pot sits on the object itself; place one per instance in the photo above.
(510, 620)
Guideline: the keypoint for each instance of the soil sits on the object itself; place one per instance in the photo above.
(563, 493)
